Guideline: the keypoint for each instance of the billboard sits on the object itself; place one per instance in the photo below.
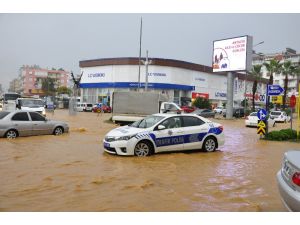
(234, 54)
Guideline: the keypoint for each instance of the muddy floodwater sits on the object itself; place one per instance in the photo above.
(72, 173)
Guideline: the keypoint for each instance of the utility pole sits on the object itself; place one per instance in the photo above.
(146, 63)
(140, 51)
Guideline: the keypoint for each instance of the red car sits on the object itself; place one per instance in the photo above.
(105, 108)
(187, 109)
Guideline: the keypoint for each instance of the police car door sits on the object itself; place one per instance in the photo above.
(171, 138)
(194, 130)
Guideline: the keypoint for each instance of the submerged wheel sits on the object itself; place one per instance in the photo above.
(210, 144)
(58, 131)
(142, 148)
(11, 134)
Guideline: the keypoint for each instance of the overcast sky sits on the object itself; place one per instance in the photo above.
(62, 40)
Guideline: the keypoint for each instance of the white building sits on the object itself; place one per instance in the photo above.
(288, 55)
(178, 79)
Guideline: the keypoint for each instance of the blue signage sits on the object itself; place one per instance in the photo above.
(262, 114)
(274, 90)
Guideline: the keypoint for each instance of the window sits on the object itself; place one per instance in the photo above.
(21, 116)
(190, 121)
(3, 114)
(173, 122)
(36, 117)
(147, 122)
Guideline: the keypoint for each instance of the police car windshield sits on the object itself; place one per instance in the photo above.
(147, 122)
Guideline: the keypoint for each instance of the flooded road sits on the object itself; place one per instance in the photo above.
(72, 173)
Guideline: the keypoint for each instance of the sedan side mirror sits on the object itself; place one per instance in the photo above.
(161, 127)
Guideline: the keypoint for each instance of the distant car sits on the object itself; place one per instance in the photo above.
(237, 112)
(288, 180)
(279, 116)
(84, 107)
(204, 113)
(188, 109)
(1, 106)
(219, 109)
(105, 108)
(27, 123)
(252, 120)
(164, 132)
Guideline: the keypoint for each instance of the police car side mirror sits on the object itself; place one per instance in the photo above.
(161, 127)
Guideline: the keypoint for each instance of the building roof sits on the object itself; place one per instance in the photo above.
(159, 62)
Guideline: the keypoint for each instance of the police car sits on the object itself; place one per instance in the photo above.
(165, 132)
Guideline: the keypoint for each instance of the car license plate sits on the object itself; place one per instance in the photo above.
(107, 145)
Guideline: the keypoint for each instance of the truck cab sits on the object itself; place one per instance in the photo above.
(31, 104)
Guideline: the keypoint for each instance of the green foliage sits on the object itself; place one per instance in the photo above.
(48, 86)
(64, 90)
(202, 103)
(282, 135)
(243, 103)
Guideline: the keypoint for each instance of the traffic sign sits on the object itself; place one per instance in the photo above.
(261, 127)
(292, 101)
(274, 90)
(262, 114)
(261, 130)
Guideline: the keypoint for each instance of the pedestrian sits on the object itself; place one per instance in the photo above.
(99, 109)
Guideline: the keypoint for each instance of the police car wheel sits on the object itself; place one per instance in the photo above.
(210, 145)
(142, 149)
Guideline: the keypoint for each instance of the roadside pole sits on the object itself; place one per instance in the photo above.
(298, 114)
(267, 109)
(229, 105)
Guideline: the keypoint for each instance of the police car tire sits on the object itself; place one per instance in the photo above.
(144, 145)
(210, 144)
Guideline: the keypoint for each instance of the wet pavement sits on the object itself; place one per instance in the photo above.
(72, 173)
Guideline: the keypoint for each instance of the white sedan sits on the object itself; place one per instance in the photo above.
(165, 132)
(252, 120)
(288, 179)
(280, 116)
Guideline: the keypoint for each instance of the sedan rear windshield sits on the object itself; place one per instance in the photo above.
(3, 114)
(253, 114)
(276, 113)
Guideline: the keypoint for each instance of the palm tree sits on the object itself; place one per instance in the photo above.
(287, 69)
(273, 67)
(256, 72)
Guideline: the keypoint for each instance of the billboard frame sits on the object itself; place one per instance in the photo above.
(249, 41)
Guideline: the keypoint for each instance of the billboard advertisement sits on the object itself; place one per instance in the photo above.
(234, 54)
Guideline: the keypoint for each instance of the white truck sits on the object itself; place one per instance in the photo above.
(8, 101)
(31, 104)
(132, 106)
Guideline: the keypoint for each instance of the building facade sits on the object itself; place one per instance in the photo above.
(181, 81)
(31, 79)
(288, 55)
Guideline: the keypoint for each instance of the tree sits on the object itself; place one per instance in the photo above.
(287, 69)
(256, 72)
(64, 90)
(202, 103)
(48, 86)
(273, 67)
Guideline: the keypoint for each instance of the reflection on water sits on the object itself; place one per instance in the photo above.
(72, 173)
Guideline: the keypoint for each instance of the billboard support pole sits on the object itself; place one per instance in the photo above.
(229, 105)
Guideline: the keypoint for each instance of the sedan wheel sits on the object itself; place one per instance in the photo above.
(210, 145)
(58, 131)
(11, 134)
(142, 149)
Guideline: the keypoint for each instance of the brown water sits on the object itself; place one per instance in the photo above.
(72, 173)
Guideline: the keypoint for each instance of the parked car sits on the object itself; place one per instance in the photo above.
(1, 106)
(237, 112)
(105, 108)
(188, 109)
(252, 120)
(280, 116)
(288, 180)
(27, 123)
(84, 107)
(164, 132)
(204, 112)
(219, 109)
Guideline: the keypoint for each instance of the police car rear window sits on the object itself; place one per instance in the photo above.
(190, 121)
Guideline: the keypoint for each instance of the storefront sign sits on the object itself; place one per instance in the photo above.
(200, 95)
(92, 75)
